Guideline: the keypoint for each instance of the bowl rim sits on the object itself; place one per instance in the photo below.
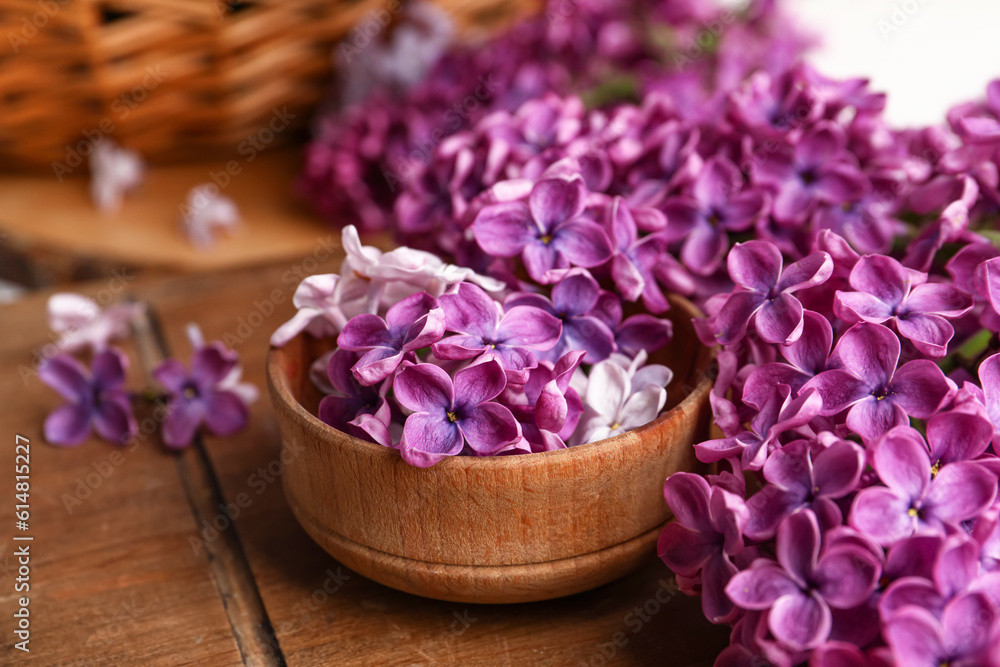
(279, 384)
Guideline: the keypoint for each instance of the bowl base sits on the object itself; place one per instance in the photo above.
(492, 584)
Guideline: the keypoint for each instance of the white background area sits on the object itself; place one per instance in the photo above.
(926, 54)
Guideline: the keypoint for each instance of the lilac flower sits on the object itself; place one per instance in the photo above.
(633, 265)
(962, 637)
(915, 496)
(804, 584)
(877, 394)
(356, 408)
(765, 292)
(413, 323)
(573, 299)
(716, 206)
(886, 290)
(205, 212)
(704, 537)
(642, 332)
(482, 328)
(798, 477)
(806, 357)
(206, 395)
(548, 232)
(616, 402)
(96, 398)
(114, 171)
(777, 416)
(82, 324)
(817, 171)
(449, 415)
(319, 312)
(957, 436)
(548, 408)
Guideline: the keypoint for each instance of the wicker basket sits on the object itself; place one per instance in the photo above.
(173, 79)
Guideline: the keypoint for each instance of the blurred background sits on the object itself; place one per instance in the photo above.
(223, 92)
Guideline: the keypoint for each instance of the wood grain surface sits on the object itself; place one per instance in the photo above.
(145, 534)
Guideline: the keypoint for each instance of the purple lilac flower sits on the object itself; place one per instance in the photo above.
(448, 415)
(548, 231)
(95, 399)
(483, 328)
(717, 205)
(917, 497)
(817, 170)
(801, 587)
(548, 408)
(705, 536)
(355, 408)
(632, 267)
(778, 415)
(806, 357)
(961, 637)
(413, 323)
(205, 395)
(765, 292)
(573, 299)
(888, 291)
(877, 395)
(798, 477)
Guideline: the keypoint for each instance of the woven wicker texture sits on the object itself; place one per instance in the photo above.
(173, 79)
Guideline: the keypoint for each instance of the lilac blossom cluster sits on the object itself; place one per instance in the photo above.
(207, 396)
(436, 360)
(853, 515)
(409, 139)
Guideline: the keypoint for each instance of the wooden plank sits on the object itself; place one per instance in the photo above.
(114, 579)
(324, 614)
(51, 233)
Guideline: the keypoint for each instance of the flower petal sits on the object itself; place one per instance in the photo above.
(183, 419)
(779, 320)
(225, 413)
(68, 425)
(478, 383)
(871, 417)
(504, 229)
(846, 576)
(424, 388)
(556, 200)
(67, 376)
(488, 427)
(530, 327)
(920, 388)
(731, 322)
(429, 438)
(800, 621)
(470, 310)
(838, 389)
(755, 265)
(798, 545)
(583, 243)
(881, 514)
(810, 271)
(870, 352)
(960, 492)
(760, 586)
(114, 420)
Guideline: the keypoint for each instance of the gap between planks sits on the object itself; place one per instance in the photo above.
(230, 570)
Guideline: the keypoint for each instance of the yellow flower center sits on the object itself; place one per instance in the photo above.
(912, 512)
(452, 417)
(547, 239)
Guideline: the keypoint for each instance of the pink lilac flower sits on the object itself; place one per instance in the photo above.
(961, 637)
(877, 394)
(483, 328)
(798, 477)
(806, 358)
(917, 497)
(888, 291)
(354, 407)
(573, 299)
(448, 415)
(203, 395)
(632, 267)
(548, 231)
(817, 170)
(805, 582)
(96, 399)
(765, 294)
(717, 205)
(413, 323)
(319, 312)
(704, 538)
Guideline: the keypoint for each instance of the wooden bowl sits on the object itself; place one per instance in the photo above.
(496, 529)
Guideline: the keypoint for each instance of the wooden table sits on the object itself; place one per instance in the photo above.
(126, 567)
